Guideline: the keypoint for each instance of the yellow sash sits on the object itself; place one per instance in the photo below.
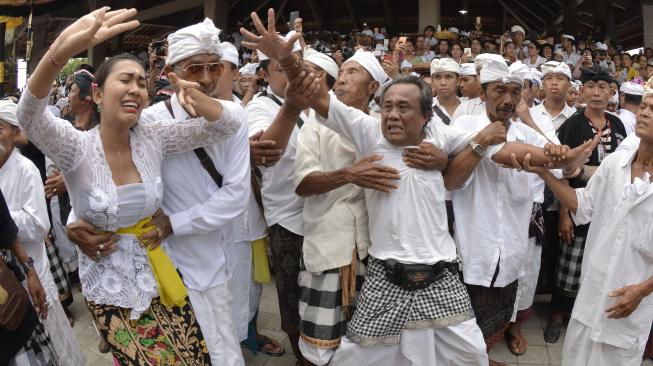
(260, 261)
(171, 288)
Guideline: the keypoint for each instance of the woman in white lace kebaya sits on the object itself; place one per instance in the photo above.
(113, 176)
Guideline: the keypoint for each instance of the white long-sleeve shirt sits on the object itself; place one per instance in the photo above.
(199, 211)
(493, 211)
(618, 251)
(20, 182)
(408, 224)
(474, 106)
(629, 119)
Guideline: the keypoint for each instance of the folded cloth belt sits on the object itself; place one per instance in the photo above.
(171, 288)
(416, 276)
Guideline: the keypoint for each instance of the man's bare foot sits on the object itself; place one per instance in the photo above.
(495, 363)
(517, 344)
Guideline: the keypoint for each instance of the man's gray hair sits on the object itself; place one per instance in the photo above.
(425, 93)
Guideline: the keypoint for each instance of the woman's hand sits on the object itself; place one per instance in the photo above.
(269, 42)
(91, 30)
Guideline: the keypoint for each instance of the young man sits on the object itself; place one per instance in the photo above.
(629, 99)
(583, 125)
(444, 74)
(569, 54)
(468, 82)
(413, 307)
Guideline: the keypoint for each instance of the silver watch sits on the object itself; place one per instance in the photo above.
(478, 149)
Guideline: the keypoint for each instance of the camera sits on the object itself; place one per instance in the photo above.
(346, 52)
(158, 47)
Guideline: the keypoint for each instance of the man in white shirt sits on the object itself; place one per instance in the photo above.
(569, 54)
(444, 75)
(612, 314)
(468, 82)
(21, 185)
(629, 99)
(476, 106)
(493, 205)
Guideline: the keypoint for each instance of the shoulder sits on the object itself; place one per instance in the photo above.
(154, 112)
(466, 122)
(25, 166)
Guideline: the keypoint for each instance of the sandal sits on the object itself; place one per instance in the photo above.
(269, 341)
(516, 344)
(103, 346)
(552, 332)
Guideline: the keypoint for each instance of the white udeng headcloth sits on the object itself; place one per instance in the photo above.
(229, 53)
(8, 112)
(193, 40)
(499, 71)
(369, 63)
(467, 69)
(555, 67)
(249, 69)
(322, 61)
(444, 65)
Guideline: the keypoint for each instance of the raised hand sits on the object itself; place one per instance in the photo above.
(91, 30)
(184, 88)
(367, 173)
(269, 42)
(300, 89)
(575, 158)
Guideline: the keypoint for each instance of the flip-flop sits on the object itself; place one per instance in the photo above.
(552, 332)
(267, 340)
(511, 338)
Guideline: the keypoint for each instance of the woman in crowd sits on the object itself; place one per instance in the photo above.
(443, 49)
(628, 72)
(510, 52)
(113, 176)
(616, 62)
(586, 62)
(457, 52)
(431, 41)
(475, 45)
(534, 59)
(642, 61)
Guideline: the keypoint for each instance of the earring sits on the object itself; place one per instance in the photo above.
(99, 108)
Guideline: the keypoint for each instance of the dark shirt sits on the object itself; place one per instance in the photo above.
(8, 229)
(576, 130)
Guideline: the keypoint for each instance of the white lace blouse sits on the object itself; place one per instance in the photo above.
(123, 278)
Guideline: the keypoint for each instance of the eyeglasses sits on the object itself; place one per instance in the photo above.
(195, 72)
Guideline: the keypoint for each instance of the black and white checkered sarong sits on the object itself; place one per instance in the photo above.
(567, 278)
(58, 271)
(384, 309)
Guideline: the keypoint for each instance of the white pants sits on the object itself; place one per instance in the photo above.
(67, 250)
(212, 309)
(246, 292)
(580, 350)
(460, 344)
(528, 277)
(316, 356)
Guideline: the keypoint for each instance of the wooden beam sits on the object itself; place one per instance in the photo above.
(264, 18)
(630, 20)
(313, 6)
(168, 8)
(352, 13)
(546, 8)
(389, 15)
(218, 11)
(514, 15)
(278, 12)
(529, 11)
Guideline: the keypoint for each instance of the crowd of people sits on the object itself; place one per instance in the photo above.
(408, 194)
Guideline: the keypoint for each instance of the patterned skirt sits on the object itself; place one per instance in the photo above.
(162, 336)
(385, 309)
(493, 307)
(323, 316)
(567, 278)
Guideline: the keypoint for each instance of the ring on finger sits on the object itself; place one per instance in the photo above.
(159, 233)
(263, 160)
(98, 255)
(101, 247)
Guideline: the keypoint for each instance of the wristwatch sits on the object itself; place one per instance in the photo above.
(28, 265)
(478, 149)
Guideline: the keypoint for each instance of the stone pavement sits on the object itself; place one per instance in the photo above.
(539, 352)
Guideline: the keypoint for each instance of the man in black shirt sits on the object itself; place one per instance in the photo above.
(580, 127)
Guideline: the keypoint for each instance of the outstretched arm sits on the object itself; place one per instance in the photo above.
(565, 194)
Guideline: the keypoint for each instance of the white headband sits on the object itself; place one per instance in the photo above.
(555, 67)
(499, 71)
(249, 69)
(444, 65)
(632, 88)
(8, 112)
(229, 53)
(193, 40)
(467, 69)
(322, 61)
(370, 63)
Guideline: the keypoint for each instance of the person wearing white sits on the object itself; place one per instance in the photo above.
(630, 97)
(570, 56)
(445, 73)
(21, 185)
(476, 106)
(468, 82)
(533, 58)
(612, 315)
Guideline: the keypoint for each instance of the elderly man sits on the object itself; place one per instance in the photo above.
(629, 99)
(583, 125)
(444, 74)
(413, 309)
(493, 205)
(21, 184)
(205, 191)
(476, 106)
(612, 315)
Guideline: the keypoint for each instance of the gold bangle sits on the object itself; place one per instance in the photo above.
(294, 64)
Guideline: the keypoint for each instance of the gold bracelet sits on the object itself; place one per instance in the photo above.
(294, 64)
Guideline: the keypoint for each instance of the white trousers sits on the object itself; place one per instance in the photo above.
(212, 309)
(580, 350)
(460, 344)
(67, 250)
(528, 277)
(316, 356)
(246, 292)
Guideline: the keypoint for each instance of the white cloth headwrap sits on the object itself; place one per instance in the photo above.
(517, 28)
(499, 71)
(444, 65)
(8, 112)
(601, 46)
(229, 53)
(555, 67)
(614, 99)
(467, 69)
(249, 69)
(369, 63)
(295, 47)
(632, 88)
(193, 40)
(482, 59)
(406, 64)
(322, 61)
(535, 75)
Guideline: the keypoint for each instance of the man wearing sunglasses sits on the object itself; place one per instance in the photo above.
(201, 200)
